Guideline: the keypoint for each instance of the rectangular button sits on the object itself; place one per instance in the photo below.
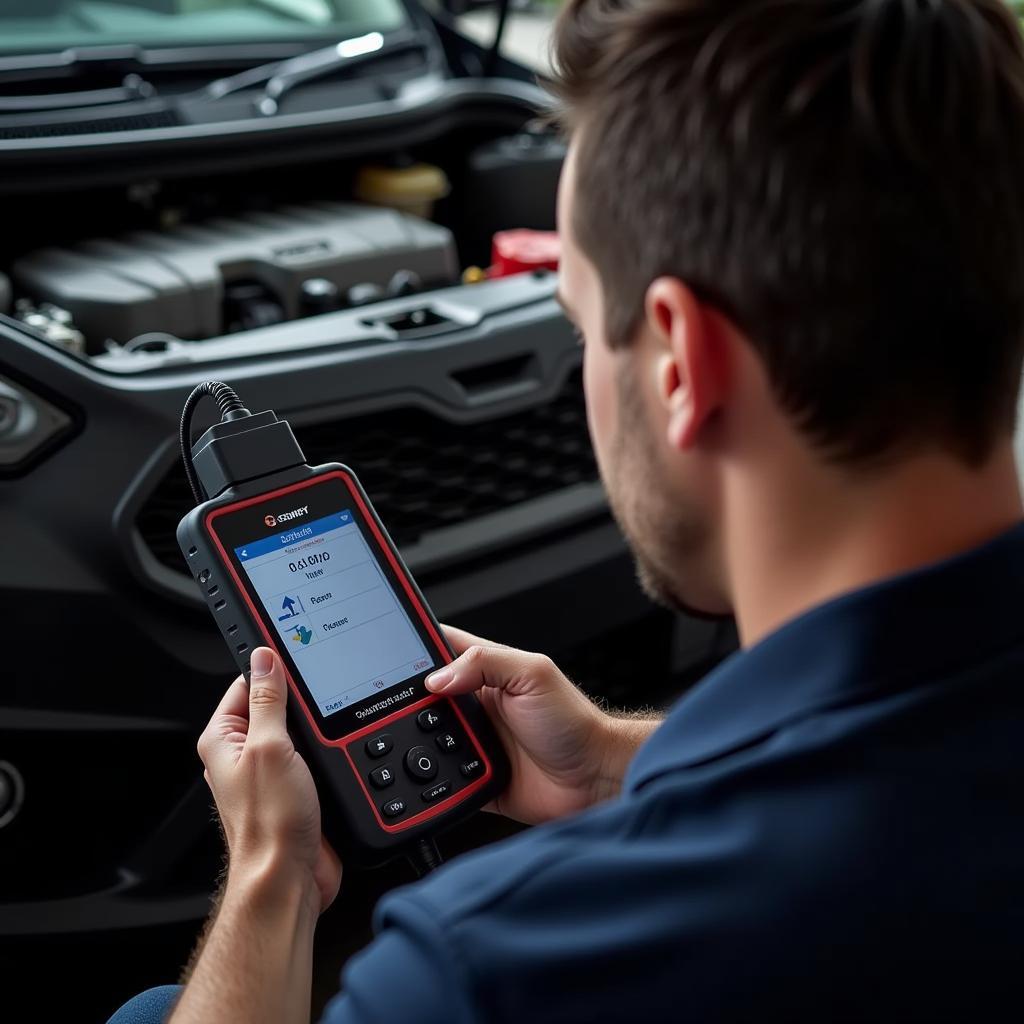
(471, 768)
(379, 745)
(446, 741)
(382, 777)
(393, 808)
(438, 790)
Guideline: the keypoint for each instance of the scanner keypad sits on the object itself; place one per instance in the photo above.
(429, 756)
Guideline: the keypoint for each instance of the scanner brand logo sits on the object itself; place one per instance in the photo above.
(270, 520)
(284, 517)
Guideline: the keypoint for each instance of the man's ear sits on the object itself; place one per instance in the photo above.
(690, 362)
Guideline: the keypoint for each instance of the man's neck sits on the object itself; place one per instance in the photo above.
(797, 543)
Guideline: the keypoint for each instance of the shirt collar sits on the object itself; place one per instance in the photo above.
(886, 637)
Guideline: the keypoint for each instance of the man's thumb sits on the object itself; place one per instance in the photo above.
(268, 694)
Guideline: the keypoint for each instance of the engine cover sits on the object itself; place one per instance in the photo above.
(175, 281)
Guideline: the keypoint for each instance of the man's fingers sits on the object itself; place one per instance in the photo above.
(268, 696)
(461, 641)
(228, 720)
(235, 701)
(503, 668)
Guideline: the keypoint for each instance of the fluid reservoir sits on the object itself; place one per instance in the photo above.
(413, 189)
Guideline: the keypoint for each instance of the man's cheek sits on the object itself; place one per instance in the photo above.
(599, 385)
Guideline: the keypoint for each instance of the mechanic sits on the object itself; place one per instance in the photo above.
(793, 239)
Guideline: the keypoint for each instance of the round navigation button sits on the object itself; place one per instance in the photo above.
(421, 763)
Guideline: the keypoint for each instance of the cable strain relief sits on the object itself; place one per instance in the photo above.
(226, 398)
(425, 857)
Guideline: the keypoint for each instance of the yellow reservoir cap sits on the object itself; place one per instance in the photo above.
(412, 189)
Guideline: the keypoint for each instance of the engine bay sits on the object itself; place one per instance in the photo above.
(197, 260)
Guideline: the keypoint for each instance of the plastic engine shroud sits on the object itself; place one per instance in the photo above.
(175, 281)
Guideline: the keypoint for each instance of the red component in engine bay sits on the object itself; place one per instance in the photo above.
(513, 252)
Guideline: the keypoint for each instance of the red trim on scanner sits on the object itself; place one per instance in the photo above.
(442, 650)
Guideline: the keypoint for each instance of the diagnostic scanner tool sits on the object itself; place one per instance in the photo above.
(294, 557)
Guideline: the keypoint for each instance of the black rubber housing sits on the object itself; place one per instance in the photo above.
(225, 455)
(348, 819)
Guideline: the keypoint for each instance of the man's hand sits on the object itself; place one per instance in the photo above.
(256, 962)
(566, 754)
(265, 795)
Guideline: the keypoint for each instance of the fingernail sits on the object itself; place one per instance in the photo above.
(261, 663)
(441, 678)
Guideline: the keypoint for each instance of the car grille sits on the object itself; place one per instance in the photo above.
(423, 472)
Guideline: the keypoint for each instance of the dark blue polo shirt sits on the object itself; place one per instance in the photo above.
(829, 827)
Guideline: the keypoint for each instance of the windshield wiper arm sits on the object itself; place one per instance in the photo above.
(132, 88)
(282, 76)
(131, 57)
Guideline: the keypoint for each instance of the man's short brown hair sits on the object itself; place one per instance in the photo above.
(844, 179)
